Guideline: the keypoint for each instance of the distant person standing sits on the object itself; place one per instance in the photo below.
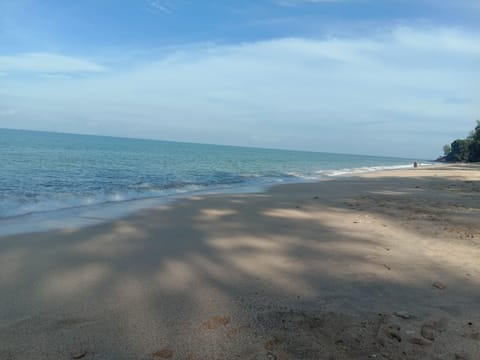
(415, 164)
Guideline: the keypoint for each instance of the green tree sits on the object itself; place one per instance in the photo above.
(474, 146)
(464, 149)
(446, 149)
(459, 150)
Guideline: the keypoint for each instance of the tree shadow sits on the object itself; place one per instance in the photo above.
(194, 276)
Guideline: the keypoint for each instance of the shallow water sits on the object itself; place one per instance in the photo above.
(43, 172)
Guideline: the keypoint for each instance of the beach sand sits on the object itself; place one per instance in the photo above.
(380, 266)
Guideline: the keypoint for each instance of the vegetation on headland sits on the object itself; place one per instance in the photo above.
(464, 149)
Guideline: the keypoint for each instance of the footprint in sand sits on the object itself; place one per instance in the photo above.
(237, 330)
(215, 322)
(471, 332)
(427, 332)
(392, 331)
(271, 344)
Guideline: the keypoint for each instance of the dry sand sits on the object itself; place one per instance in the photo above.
(381, 266)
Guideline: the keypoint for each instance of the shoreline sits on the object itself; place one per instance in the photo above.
(78, 217)
(381, 265)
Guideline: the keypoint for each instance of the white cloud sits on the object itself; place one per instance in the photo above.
(441, 40)
(55, 76)
(385, 94)
(164, 6)
(47, 63)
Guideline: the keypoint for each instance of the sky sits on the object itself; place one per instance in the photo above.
(379, 77)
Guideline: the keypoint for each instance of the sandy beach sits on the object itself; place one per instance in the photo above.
(383, 265)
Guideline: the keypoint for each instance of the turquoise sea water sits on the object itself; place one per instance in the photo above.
(43, 172)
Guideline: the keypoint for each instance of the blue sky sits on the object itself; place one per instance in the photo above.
(390, 77)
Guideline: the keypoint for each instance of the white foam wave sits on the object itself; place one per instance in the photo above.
(18, 207)
(12, 207)
(361, 170)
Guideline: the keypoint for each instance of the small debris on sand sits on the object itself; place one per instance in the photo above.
(438, 285)
(79, 355)
(419, 341)
(163, 354)
(271, 356)
(403, 314)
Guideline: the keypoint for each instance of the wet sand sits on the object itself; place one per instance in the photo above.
(380, 266)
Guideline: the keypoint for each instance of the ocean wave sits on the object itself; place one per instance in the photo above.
(24, 205)
(14, 204)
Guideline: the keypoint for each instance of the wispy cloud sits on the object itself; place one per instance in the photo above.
(306, 2)
(47, 63)
(162, 6)
(55, 76)
(6, 113)
(357, 95)
(470, 4)
(443, 40)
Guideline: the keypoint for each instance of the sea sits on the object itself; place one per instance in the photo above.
(54, 180)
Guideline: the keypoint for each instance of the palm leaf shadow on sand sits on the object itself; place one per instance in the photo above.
(311, 271)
